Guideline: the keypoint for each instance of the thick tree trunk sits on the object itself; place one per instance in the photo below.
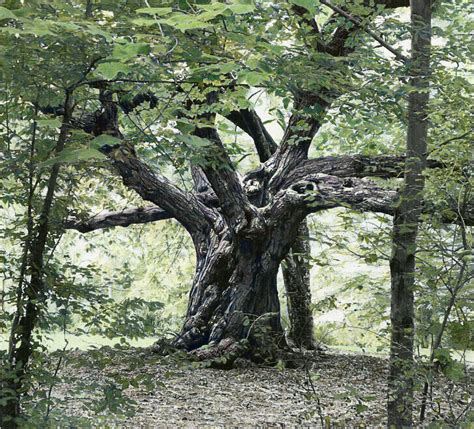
(233, 301)
(406, 219)
(296, 276)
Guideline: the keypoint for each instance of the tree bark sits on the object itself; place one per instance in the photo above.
(295, 270)
(296, 276)
(234, 299)
(406, 219)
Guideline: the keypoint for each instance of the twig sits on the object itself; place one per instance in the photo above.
(398, 55)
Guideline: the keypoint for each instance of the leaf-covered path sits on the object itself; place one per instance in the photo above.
(349, 391)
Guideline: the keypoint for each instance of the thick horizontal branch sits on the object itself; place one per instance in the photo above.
(321, 192)
(384, 166)
(126, 217)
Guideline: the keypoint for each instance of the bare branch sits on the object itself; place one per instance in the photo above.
(299, 133)
(124, 218)
(224, 180)
(136, 175)
(321, 192)
(384, 166)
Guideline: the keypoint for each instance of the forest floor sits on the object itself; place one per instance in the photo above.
(345, 390)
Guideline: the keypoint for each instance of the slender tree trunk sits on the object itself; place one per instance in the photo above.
(296, 276)
(21, 347)
(406, 219)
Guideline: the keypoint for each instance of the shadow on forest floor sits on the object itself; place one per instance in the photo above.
(346, 390)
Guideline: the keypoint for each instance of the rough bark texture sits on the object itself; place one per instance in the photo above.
(406, 219)
(233, 297)
(123, 218)
(296, 276)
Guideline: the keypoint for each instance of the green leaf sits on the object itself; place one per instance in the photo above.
(193, 141)
(186, 22)
(6, 13)
(111, 70)
(360, 408)
(160, 11)
(126, 51)
(104, 139)
(185, 126)
(53, 123)
(72, 156)
(240, 8)
(253, 77)
(309, 5)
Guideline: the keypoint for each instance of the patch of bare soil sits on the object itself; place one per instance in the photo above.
(336, 390)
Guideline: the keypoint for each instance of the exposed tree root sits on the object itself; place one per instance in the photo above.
(231, 353)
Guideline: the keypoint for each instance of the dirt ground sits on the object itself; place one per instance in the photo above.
(335, 390)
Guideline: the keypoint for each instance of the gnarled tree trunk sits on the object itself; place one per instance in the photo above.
(243, 227)
(234, 299)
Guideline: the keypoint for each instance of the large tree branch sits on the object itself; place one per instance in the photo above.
(151, 186)
(183, 206)
(302, 125)
(130, 216)
(321, 192)
(221, 174)
(126, 217)
(385, 166)
(301, 129)
(249, 122)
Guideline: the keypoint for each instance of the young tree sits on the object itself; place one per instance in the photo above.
(32, 185)
(406, 219)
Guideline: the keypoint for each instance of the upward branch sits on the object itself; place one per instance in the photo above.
(224, 180)
(248, 121)
(310, 106)
(151, 186)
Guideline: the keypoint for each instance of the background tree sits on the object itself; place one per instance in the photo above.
(406, 219)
